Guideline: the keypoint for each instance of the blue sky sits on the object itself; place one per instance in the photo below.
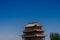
(14, 14)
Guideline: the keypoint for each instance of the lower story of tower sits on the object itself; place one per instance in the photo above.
(34, 38)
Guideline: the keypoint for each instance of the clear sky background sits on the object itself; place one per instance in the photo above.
(14, 14)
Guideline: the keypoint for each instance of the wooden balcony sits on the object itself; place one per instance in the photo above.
(35, 35)
(33, 30)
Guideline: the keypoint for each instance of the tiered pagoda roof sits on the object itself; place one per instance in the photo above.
(33, 30)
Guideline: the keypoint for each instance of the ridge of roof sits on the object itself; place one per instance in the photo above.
(33, 24)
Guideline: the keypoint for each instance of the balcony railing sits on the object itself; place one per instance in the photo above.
(33, 30)
(38, 35)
